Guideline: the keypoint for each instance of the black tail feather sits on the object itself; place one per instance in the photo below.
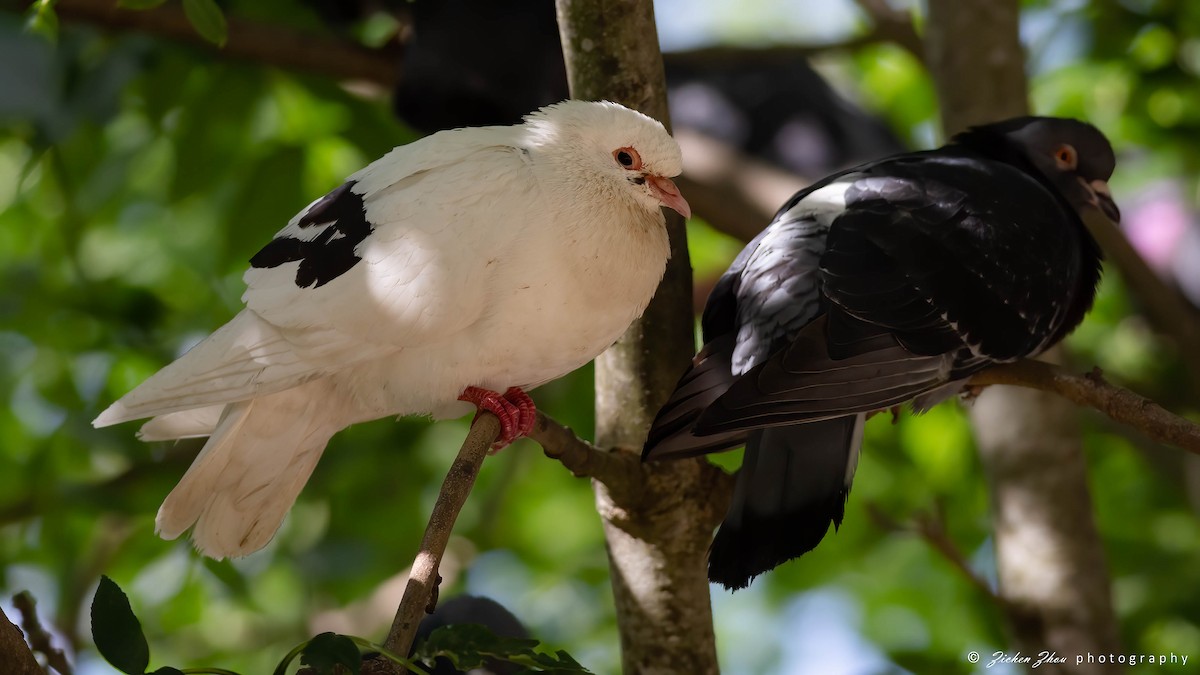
(793, 483)
(671, 434)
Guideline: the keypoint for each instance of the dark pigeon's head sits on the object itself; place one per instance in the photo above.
(1074, 156)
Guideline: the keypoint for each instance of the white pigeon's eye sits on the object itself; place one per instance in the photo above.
(628, 158)
(1066, 158)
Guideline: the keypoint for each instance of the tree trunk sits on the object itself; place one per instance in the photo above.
(1049, 556)
(658, 530)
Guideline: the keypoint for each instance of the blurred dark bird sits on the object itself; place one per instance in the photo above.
(475, 62)
(780, 111)
(479, 62)
(471, 609)
(893, 281)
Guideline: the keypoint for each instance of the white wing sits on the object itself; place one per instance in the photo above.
(401, 255)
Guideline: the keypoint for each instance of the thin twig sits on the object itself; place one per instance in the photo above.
(39, 639)
(931, 528)
(420, 593)
(1093, 391)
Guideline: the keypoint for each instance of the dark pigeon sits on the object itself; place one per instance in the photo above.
(894, 281)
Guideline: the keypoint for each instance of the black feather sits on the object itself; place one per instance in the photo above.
(792, 486)
(332, 252)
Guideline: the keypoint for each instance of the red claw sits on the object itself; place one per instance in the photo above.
(513, 408)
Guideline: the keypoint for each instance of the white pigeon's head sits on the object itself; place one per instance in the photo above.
(611, 149)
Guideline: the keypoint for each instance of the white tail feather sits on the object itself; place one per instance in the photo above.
(246, 357)
(185, 424)
(250, 472)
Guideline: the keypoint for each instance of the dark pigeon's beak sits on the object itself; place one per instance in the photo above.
(1102, 199)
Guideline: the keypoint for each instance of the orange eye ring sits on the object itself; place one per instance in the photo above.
(628, 158)
(1065, 157)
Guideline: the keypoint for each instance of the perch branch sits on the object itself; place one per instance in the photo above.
(420, 594)
(1093, 391)
(584, 460)
(39, 639)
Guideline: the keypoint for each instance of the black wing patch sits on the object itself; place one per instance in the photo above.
(331, 253)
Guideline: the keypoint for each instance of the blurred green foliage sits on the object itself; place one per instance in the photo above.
(136, 179)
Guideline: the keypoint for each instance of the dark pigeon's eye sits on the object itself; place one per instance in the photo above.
(1066, 158)
(628, 158)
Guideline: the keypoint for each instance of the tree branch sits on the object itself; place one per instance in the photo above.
(583, 459)
(248, 40)
(420, 594)
(618, 469)
(1093, 391)
(39, 639)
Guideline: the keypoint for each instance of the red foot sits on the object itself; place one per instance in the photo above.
(514, 409)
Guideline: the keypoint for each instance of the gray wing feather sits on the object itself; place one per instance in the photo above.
(769, 294)
(803, 383)
(779, 290)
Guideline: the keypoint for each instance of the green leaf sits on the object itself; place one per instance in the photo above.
(327, 650)
(116, 631)
(139, 4)
(41, 19)
(471, 646)
(168, 670)
(207, 19)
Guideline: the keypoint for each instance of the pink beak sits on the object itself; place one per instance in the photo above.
(668, 194)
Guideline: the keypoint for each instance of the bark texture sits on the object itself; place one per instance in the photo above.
(658, 527)
(15, 655)
(1051, 563)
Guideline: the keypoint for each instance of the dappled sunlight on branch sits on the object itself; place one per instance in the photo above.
(1093, 391)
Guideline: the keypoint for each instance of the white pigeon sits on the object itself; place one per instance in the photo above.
(470, 262)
